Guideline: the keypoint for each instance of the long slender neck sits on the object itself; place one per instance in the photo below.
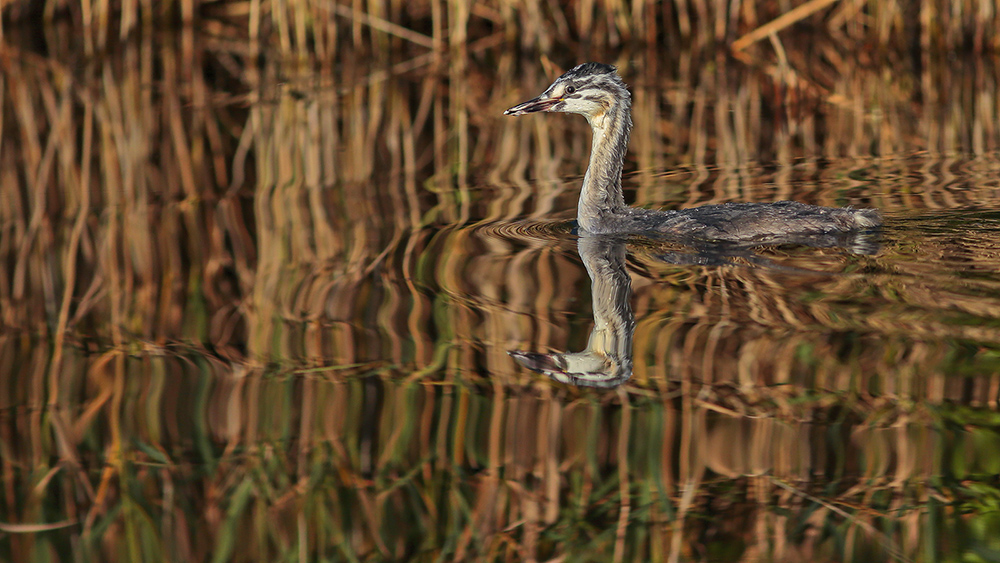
(601, 195)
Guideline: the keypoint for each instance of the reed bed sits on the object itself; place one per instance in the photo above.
(261, 311)
(324, 29)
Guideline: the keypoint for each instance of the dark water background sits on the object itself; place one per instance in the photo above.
(263, 311)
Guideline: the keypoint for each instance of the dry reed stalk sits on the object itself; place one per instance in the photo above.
(279, 21)
(458, 23)
(304, 28)
(83, 212)
(302, 13)
(460, 120)
(783, 21)
(683, 19)
(254, 28)
(128, 17)
(36, 165)
(384, 26)
(437, 26)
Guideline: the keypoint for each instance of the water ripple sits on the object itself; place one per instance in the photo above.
(526, 230)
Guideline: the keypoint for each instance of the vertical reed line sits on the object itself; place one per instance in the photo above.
(305, 433)
(437, 26)
(87, 17)
(3, 101)
(279, 19)
(624, 489)
(459, 111)
(458, 22)
(254, 29)
(37, 165)
(69, 267)
(646, 138)
(302, 15)
(129, 9)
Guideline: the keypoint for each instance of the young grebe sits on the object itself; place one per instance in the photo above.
(595, 91)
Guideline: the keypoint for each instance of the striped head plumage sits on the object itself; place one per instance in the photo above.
(589, 89)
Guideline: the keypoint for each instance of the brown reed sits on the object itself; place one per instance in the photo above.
(307, 28)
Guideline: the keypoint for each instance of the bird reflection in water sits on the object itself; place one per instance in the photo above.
(607, 360)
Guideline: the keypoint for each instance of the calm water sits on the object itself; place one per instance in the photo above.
(269, 316)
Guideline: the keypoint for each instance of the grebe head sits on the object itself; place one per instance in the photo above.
(590, 89)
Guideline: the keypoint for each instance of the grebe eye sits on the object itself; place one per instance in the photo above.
(570, 89)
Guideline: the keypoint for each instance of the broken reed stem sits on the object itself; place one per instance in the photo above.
(383, 25)
(794, 15)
